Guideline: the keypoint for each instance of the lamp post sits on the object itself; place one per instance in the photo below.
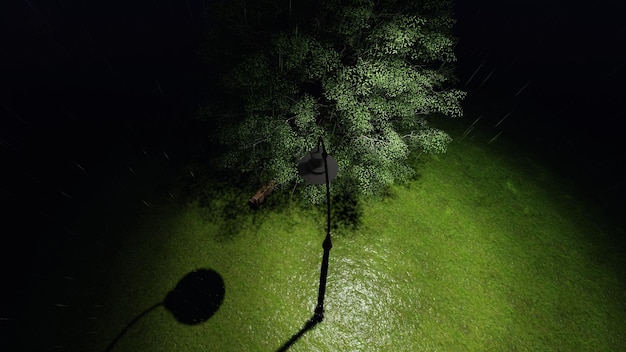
(317, 167)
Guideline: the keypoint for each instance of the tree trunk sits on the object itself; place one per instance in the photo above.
(259, 197)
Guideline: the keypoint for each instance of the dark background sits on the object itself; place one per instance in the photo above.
(81, 81)
(568, 60)
(85, 86)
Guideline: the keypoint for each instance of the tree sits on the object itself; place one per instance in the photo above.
(366, 76)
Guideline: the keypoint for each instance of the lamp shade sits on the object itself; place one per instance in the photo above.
(311, 167)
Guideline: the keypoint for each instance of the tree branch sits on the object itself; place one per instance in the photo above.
(409, 135)
(255, 143)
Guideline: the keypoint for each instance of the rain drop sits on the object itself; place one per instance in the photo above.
(471, 127)
(80, 167)
(472, 76)
(521, 89)
(488, 76)
(504, 118)
(31, 177)
(15, 114)
(494, 138)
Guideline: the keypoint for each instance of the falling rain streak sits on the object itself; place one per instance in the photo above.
(475, 72)
(15, 114)
(494, 138)
(501, 120)
(488, 76)
(31, 177)
(522, 89)
(80, 167)
(470, 128)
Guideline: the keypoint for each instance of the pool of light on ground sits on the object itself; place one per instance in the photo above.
(482, 252)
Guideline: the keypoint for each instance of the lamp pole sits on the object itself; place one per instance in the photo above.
(318, 167)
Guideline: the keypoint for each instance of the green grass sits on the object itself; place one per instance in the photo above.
(485, 251)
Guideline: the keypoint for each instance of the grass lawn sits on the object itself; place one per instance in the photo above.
(484, 251)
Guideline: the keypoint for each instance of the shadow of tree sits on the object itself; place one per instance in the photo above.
(221, 196)
(346, 212)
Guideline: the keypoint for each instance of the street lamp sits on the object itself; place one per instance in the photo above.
(317, 167)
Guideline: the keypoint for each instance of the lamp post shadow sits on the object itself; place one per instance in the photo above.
(195, 299)
(318, 315)
(310, 324)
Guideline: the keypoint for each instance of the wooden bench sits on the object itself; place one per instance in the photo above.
(259, 197)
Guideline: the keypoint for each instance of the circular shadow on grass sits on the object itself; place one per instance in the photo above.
(196, 297)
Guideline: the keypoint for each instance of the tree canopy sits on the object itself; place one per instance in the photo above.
(365, 76)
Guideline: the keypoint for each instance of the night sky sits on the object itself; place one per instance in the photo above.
(86, 85)
(559, 67)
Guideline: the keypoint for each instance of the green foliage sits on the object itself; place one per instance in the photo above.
(349, 19)
(396, 37)
(364, 76)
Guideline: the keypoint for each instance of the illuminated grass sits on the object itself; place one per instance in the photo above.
(484, 251)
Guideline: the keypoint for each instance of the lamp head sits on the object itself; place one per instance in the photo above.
(311, 167)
